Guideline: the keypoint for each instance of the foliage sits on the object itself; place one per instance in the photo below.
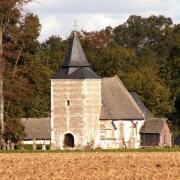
(54, 49)
(143, 52)
(135, 59)
(20, 44)
(156, 42)
(14, 130)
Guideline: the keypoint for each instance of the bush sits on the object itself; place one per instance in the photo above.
(23, 147)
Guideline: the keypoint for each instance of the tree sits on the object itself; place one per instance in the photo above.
(9, 14)
(152, 90)
(154, 33)
(19, 52)
(37, 102)
(14, 131)
(54, 49)
(174, 59)
(114, 61)
(27, 85)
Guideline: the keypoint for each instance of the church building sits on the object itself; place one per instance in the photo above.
(94, 112)
(88, 110)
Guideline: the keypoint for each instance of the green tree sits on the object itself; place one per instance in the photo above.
(114, 61)
(152, 90)
(141, 34)
(54, 49)
(174, 58)
(19, 50)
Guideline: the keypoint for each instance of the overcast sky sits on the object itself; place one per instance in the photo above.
(56, 16)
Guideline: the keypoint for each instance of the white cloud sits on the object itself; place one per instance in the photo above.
(47, 24)
(56, 16)
(94, 6)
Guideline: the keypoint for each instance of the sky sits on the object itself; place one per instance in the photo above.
(56, 16)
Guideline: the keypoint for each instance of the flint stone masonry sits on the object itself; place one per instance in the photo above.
(81, 116)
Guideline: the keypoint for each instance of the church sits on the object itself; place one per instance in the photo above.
(91, 111)
(88, 110)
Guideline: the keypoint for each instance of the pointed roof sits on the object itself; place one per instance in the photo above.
(75, 65)
(75, 56)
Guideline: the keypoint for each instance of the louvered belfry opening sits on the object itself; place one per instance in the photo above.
(68, 140)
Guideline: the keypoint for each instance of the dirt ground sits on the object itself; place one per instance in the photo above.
(99, 165)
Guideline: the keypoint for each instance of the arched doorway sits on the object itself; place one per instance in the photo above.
(68, 140)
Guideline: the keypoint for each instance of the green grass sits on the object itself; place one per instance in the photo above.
(155, 149)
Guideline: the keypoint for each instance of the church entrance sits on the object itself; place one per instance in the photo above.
(68, 140)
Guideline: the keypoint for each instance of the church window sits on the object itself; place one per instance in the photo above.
(68, 103)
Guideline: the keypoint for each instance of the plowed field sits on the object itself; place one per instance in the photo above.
(99, 165)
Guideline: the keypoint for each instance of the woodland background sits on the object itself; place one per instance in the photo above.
(143, 52)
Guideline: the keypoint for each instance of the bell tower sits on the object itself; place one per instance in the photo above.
(75, 101)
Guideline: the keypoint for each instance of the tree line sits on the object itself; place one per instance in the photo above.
(143, 52)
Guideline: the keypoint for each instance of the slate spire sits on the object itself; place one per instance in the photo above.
(76, 65)
(75, 56)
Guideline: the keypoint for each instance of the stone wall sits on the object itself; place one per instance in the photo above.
(165, 136)
(120, 133)
(75, 109)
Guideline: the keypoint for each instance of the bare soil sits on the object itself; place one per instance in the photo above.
(127, 166)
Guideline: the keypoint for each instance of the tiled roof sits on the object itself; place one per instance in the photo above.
(117, 103)
(37, 128)
(153, 125)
